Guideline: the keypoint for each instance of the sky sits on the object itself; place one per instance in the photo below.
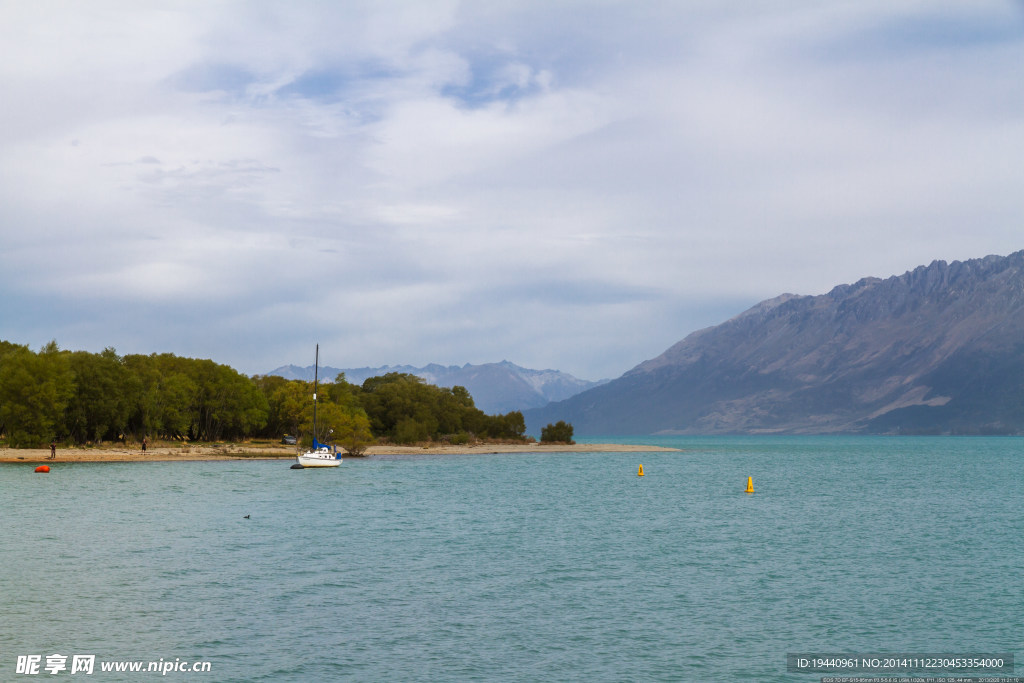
(561, 184)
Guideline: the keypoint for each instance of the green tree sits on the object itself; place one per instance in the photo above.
(194, 399)
(164, 397)
(229, 406)
(337, 424)
(400, 398)
(341, 393)
(353, 432)
(508, 426)
(291, 404)
(173, 399)
(454, 409)
(340, 417)
(406, 409)
(34, 392)
(99, 408)
(560, 432)
(7, 348)
(273, 389)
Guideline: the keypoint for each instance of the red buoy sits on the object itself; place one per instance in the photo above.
(43, 468)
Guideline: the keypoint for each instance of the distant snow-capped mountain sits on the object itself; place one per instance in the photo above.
(496, 387)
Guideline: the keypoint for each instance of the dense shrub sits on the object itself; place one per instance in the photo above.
(560, 432)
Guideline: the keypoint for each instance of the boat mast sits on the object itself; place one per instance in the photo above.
(316, 372)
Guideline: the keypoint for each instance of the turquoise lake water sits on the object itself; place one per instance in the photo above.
(527, 567)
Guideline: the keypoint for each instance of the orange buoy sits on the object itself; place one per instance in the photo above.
(43, 468)
(641, 472)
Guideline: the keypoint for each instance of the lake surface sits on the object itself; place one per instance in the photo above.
(527, 567)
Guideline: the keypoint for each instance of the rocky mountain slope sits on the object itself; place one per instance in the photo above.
(939, 349)
(496, 388)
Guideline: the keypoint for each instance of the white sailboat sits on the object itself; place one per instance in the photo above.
(319, 455)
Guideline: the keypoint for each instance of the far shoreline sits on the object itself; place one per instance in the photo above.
(275, 452)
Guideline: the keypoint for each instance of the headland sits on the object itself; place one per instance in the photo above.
(243, 451)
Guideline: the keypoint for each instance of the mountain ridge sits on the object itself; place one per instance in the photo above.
(939, 349)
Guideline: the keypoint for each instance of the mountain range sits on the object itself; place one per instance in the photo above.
(496, 388)
(937, 350)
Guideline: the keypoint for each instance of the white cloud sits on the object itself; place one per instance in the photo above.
(574, 185)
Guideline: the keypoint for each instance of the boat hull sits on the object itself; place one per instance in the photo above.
(317, 460)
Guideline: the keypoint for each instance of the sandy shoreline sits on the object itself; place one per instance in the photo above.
(273, 452)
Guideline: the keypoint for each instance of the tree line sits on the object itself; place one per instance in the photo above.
(80, 397)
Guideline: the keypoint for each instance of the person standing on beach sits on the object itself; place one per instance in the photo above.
(53, 450)
(143, 444)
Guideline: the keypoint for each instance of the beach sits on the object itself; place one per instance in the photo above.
(161, 453)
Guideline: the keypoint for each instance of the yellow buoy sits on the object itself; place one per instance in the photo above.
(750, 485)
(641, 472)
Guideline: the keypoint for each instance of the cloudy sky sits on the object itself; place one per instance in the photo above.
(569, 185)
